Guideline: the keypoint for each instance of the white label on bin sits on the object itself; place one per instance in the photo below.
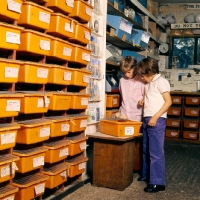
(45, 45)
(195, 100)
(84, 101)
(64, 152)
(86, 79)
(114, 101)
(44, 17)
(13, 105)
(82, 166)
(39, 189)
(129, 130)
(192, 125)
(13, 38)
(7, 170)
(194, 112)
(39, 161)
(83, 123)
(69, 27)
(64, 127)
(67, 76)
(86, 56)
(175, 123)
(67, 51)
(192, 135)
(44, 132)
(125, 26)
(63, 174)
(88, 11)
(9, 198)
(8, 138)
(176, 100)
(42, 73)
(11, 72)
(173, 133)
(175, 112)
(14, 6)
(83, 146)
(70, 3)
(87, 35)
(40, 103)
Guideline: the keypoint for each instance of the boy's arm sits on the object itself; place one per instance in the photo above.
(163, 109)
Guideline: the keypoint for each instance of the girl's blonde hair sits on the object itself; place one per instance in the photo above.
(128, 63)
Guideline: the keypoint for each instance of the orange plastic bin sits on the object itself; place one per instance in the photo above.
(8, 192)
(112, 100)
(79, 101)
(78, 122)
(111, 113)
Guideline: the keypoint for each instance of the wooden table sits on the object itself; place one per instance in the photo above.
(113, 160)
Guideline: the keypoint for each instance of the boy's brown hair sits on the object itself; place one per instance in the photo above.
(148, 66)
(128, 63)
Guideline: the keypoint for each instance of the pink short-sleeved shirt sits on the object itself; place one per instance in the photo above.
(132, 90)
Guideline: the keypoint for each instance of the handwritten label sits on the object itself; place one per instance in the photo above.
(7, 170)
(129, 130)
(42, 73)
(45, 45)
(69, 27)
(192, 135)
(11, 72)
(87, 35)
(84, 101)
(195, 100)
(176, 100)
(114, 101)
(175, 123)
(63, 174)
(175, 112)
(88, 11)
(13, 38)
(67, 76)
(45, 132)
(8, 138)
(194, 112)
(64, 152)
(192, 125)
(39, 161)
(83, 123)
(14, 6)
(44, 17)
(193, 6)
(40, 103)
(83, 146)
(86, 79)
(174, 133)
(82, 166)
(67, 51)
(70, 3)
(39, 189)
(9, 198)
(13, 105)
(86, 56)
(64, 127)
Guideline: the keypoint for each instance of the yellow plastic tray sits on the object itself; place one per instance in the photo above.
(60, 101)
(61, 49)
(31, 72)
(78, 122)
(34, 131)
(9, 70)
(9, 11)
(120, 128)
(30, 159)
(10, 36)
(61, 26)
(34, 16)
(61, 6)
(80, 77)
(8, 191)
(82, 11)
(79, 101)
(35, 102)
(60, 75)
(10, 104)
(57, 174)
(80, 55)
(41, 41)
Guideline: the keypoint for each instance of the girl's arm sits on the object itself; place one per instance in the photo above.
(163, 109)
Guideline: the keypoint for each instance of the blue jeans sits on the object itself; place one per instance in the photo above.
(153, 151)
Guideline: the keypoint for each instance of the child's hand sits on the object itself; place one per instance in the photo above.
(117, 115)
(123, 117)
(141, 102)
(152, 121)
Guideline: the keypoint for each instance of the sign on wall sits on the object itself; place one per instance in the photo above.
(185, 25)
(193, 6)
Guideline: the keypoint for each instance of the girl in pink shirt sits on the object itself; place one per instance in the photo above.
(131, 88)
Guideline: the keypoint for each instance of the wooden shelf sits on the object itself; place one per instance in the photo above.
(155, 38)
(112, 64)
(111, 10)
(146, 12)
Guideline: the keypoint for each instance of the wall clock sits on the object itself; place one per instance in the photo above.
(164, 47)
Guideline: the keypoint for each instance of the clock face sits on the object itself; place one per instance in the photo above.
(164, 48)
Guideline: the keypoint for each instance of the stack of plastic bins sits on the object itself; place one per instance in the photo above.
(29, 177)
(76, 136)
(57, 151)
